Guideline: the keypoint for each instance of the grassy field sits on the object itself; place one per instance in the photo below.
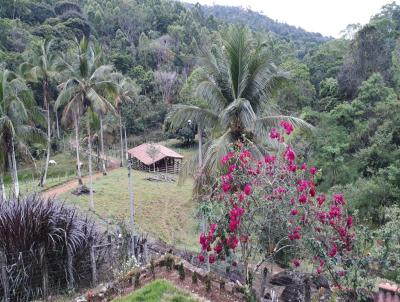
(158, 291)
(163, 209)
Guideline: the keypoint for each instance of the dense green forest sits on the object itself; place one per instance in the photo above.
(258, 22)
(347, 88)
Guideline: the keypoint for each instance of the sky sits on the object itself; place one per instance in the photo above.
(328, 17)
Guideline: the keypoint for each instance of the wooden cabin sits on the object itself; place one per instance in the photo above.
(155, 158)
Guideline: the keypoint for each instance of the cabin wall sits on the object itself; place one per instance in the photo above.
(166, 165)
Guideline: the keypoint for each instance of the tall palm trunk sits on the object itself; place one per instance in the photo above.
(200, 134)
(13, 169)
(2, 189)
(131, 204)
(78, 161)
(47, 108)
(91, 202)
(130, 187)
(57, 124)
(122, 141)
(103, 162)
(126, 144)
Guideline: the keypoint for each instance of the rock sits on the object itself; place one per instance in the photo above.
(214, 284)
(81, 299)
(202, 273)
(320, 281)
(161, 177)
(267, 296)
(230, 287)
(325, 295)
(81, 190)
(286, 278)
(293, 293)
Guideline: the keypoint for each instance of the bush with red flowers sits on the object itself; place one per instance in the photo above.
(260, 208)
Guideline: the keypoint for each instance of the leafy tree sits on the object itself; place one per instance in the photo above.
(236, 81)
(128, 91)
(152, 151)
(299, 92)
(370, 52)
(326, 60)
(18, 114)
(329, 94)
(44, 67)
(83, 89)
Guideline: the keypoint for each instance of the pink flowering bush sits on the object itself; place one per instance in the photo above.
(261, 208)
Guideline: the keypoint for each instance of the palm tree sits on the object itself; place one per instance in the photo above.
(84, 89)
(128, 90)
(236, 80)
(44, 66)
(18, 115)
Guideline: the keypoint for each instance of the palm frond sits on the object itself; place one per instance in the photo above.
(215, 150)
(102, 72)
(208, 91)
(239, 110)
(181, 114)
(31, 133)
(68, 90)
(238, 47)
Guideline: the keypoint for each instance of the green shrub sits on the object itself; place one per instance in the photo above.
(194, 278)
(207, 281)
(152, 269)
(169, 262)
(181, 271)
(137, 279)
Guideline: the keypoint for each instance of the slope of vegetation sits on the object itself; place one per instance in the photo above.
(262, 23)
(99, 73)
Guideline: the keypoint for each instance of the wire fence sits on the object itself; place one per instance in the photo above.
(36, 274)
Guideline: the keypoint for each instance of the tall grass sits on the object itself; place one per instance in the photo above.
(37, 237)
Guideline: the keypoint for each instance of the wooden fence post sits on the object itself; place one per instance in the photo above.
(71, 280)
(144, 255)
(4, 277)
(307, 290)
(264, 281)
(93, 263)
(136, 246)
(45, 274)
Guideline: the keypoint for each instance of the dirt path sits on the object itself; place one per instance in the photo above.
(72, 184)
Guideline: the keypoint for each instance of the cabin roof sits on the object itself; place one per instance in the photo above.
(141, 152)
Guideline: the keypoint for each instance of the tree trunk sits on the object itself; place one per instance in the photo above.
(126, 145)
(46, 164)
(2, 189)
(78, 162)
(57, 125)
(103, 163)
(91, 202)
(200, 133)
(122, 140)
(132, 210)
(14, 169)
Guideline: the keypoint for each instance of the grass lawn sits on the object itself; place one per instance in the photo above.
(158, 291)
(163, 209)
